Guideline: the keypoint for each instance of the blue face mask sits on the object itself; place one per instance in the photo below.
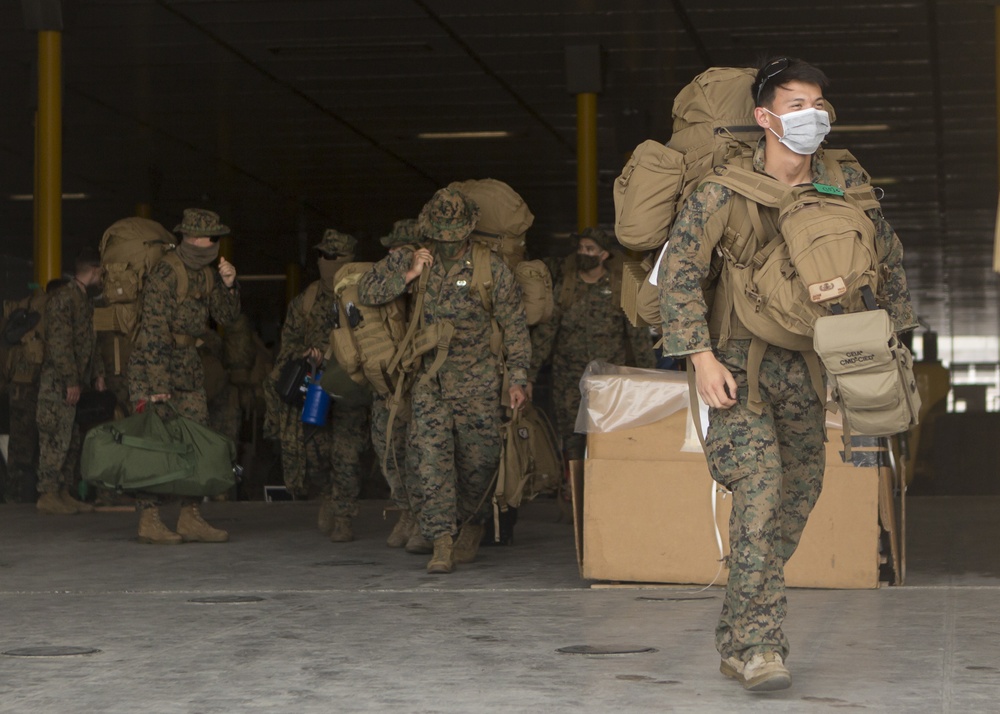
(804, 130)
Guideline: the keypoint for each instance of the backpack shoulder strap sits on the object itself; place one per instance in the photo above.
(862, 193)
(746, 182)
(482, 274)
(174, 261)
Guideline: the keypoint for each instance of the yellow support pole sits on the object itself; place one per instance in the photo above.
(293, 278)
(586, 160)
(49, 157)
(996, 230)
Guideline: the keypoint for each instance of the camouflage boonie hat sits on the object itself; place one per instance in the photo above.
(201, 222)
(403, 232)
(602, 239)
(449, 217)
(336, 243)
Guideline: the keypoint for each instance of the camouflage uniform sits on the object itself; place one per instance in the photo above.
(592, 327)
(71, 360)
(454, 434)
(327, 456)
(402, 481)
(773, 462)
(165, 358)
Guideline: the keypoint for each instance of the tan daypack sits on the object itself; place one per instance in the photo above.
(366, 339)
(819, 258)
(530, 461)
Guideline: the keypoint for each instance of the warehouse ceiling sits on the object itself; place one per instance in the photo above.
(290, 116)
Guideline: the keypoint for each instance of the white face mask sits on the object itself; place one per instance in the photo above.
(804, 129)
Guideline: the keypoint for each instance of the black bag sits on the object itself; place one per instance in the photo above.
(95, 408)
(291, 384)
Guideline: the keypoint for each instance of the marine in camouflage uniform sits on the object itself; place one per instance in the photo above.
(454, 434)
(587, 324)
(402, 480)
(328, 456)
(774, 461)
(165, 364)
(71, 365)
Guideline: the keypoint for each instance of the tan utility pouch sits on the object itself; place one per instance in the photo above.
(640, 298)
(646, 195)
(870, 371)
(121, 283)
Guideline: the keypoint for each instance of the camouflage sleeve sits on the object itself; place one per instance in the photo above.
(508, 311)
(386, 281)
(223, 302)
(60, 351)
(543, 337)
(293, 333)
(158, 304)
(696, 232)
(894, 289)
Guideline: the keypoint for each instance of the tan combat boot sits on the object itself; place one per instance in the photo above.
(152, 530)
(467, 544)
(193, 528)
(51, 504)
(441, 563)
(341, 531)
(326, 515)
(76, 505)
(418, 545)
(402, 531)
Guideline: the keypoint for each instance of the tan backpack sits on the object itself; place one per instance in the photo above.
(366, 339)
(530, 460)
(129, 248)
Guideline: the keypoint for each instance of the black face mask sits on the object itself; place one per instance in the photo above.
(586, 262)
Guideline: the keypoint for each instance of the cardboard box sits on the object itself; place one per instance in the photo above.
(645, 514)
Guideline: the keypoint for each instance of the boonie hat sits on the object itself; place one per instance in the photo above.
(201, 222)
(449, 217)
(602, 239)
(336, 243)
(403, 232)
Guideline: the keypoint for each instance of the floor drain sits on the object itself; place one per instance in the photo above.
(606, 649)
(226, 599)
(50, 651)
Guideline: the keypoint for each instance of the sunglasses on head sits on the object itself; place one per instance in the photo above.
(769, 72)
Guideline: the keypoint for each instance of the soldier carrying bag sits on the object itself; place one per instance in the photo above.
(145, 453)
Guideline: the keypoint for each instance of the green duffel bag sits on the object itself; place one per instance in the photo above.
(143, 452)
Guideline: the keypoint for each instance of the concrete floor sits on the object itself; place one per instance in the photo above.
(360, 627)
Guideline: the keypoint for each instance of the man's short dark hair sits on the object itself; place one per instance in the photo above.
(781, 70)
(87, 258)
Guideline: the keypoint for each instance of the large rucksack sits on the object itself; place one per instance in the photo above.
(504, 219)
(365, 339)
(129, 248)
(22, 339)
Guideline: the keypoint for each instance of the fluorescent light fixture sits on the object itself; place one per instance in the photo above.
(858, 128)
(464, 134)
(65, 196)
